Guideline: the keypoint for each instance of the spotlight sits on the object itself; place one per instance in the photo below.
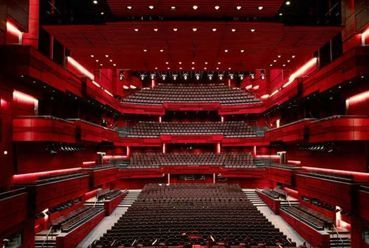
(241, 76)
(163, 76)
(152, 76)
(252, 75)
(210, 76)
(185, 76)
(175, 76)
(142, 76)
(231, 76)
(197, 75)
(220, 76)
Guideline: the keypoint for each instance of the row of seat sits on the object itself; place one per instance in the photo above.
(228, 129)
(191, 93)
(192, 214)
(157, 160)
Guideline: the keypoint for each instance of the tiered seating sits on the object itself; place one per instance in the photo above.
(309, 216)
(75, 218)
(156, 160)
(185, 215)
(191, 93)
(228, 129)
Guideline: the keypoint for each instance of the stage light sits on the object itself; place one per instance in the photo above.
(214, 29)
(194, 29)
(129, 7)
(173, 7)
(216, 7)
(195, 7)
(239, 7)
(197, 75)
(151, 7)
(252, 30)
(156, 29)
(260, 7)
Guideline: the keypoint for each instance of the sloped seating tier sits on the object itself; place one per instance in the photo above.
(179, 215)
(157, 160)
(191, 93)
(63, 188)
(13, 210)
(228, 129)
(309, 216)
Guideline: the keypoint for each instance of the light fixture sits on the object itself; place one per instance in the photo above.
(217, 68)
(293, 56)
(125, 87)
(214, 29)
(156, 68)
(288, 61)
(114, 64)
(163, 76)
(168, 68)
(92, 55)
(239, 7)
(231, 76)
(156, 29)
(229, 68)
(102, 13)
(280, 14)
(206, 63)
(197, 75)
(129, 7)
(270, 65)
(174, 76)
(180, 62)
(241, 76)
(133, 87)
(284, 65)
(193, 62)
(110, 60)
(219, 62)
(180, 68)
(194, 29)
(95, 2)
(275, 61)
(210, 76)
(151, 7)
(193, 68)
(101, 65)
(175, 29)
(242, 51)
(145, 50)
(167, 63)
(185, 76)
(279, 56)
(136, 29)
(220, 76)
(288, 3)
(161, 50)
(173, 7)
(97, 61)
(216, 7)
(226, 50)
(106, 55)
(252, 30)
(252, 75)
(260, 7)
(195, 7)
(233, 30)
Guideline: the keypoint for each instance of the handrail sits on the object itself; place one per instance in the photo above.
(338, 235)
(47, 236)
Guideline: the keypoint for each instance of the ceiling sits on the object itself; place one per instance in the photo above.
(191, 8)
(199, 46)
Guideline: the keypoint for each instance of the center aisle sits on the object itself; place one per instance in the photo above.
(109, 221)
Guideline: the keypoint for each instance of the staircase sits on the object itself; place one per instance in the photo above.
(254, 198)
(341, 240)
(130, 198)
(44, 241)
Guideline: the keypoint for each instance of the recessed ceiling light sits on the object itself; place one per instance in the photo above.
(151, 7)
(284, 65)
(216, 7)
(205, 68)
(161, 50)
(102, 13)
(114, 64)
(110, 60)
(271, 65)
(195, 7)
(95, 2)
(293, 56)
(279, 56)
(226, 50)
(175, 29)
(92, 55)
(288, 3)
(219, 63)
(260, 7)
(168, 68)
(136, 29)
(280, 14)
(206, 62)
(101, 64)
(233, 30)
(239, 7)
(180, 68)
(167, 63)
(252, 30)
(97, 60)
(193, 62)
(217, 68)
(145, 50)
(242, 51)
(156, 68)
(288, 61)
(275, 61)
(129, 7)
(229, 68)
(180, 62)
(107, 55)
(214, 29)
(194, 29)
(156, 29)
(193, 68)
(173, 7)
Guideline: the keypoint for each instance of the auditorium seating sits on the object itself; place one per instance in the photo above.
(191, 93)
(157, 160)
(309, 216)
(228, 129)
(185, 215)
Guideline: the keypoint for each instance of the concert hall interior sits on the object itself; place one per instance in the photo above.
(184, 123)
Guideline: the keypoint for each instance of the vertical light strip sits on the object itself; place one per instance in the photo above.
(80, 68)
(11, 28)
